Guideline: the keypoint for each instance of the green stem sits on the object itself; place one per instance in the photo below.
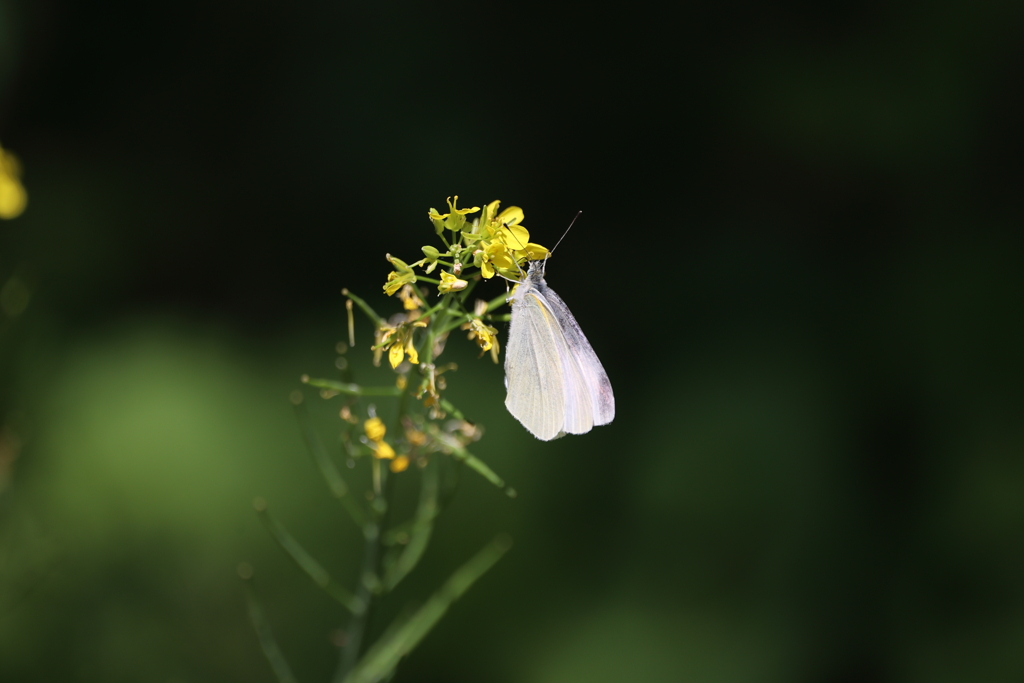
(447, 244)
(368, 581)
(268, 644)
(370, 570)
(370, 313)
(357, 625)
(431, 311)
(497, 301)
(424, 278)
(438, 320)
(351, 389)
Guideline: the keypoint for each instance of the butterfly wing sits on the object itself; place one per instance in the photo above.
(589, 400)
(536, 395)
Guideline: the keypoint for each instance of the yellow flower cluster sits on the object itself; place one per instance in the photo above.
(502, 242)
(420, 441)
(495, 242)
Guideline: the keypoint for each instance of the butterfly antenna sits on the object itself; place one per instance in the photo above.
(565, 233)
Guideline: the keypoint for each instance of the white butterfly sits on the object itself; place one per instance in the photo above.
(556, 384)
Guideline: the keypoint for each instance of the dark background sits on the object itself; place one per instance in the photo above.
(800, 260)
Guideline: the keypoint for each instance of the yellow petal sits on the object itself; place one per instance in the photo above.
(510, 216)
(384, 451)
(534, 252)
(453, 202)
(400, 464)
(514, 237)
(490, 211)
(414, 357)
(503, 260)
(395, 355)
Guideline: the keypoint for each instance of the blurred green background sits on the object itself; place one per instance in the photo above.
(800, 260)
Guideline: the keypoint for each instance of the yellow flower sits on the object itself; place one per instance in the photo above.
(402, 275)
(398, 340)
(384, 450)
(13, 197)
(453, 220)
(494, 257)
(401, 348)
(375, 429)
(396, 281)
(491, 219)
(486, 337)
(410, 300)
(503, 242)
(382, 337)
(415, 437)
(450, 283)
